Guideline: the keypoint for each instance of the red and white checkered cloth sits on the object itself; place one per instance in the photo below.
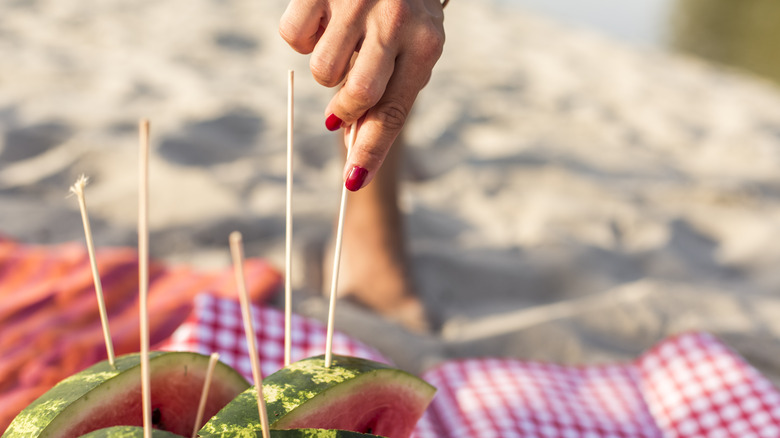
(687, 386)
(215, 325)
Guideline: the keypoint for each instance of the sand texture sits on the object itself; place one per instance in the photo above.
(567, 197)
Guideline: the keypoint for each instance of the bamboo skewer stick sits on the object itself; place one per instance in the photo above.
(78, 190)
(237, 251)
(288, 226)
(204, 395)
(337, 260)
(143, 273)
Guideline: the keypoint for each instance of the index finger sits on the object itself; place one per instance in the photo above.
(383, 122)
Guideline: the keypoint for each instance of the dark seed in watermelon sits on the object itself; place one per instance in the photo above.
(353, 394)
(100, 396)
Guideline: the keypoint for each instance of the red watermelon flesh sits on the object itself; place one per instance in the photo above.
(100, 397)
(353, 394)
(380, 409)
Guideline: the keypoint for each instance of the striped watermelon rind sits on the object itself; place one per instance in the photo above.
(299, 433)
(304, 393)
(128, 432)
(137, 431)
(70, 407)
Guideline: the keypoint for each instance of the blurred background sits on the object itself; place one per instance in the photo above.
(583, 178)
(743, 34)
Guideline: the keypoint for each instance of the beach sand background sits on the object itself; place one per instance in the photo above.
(567, 197)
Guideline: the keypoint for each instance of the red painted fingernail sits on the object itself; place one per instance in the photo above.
(333, 122)
(356, 178)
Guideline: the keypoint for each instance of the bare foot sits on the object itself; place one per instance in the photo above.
(373, 269)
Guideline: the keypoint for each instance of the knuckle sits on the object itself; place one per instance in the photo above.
(324, 72)
(398, 13)
(292, 36)
(375, 156)
(363, 93)
(391, 115)
(432, 42)
(396, 16)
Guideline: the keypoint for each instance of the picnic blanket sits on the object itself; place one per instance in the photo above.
(49, 321)
(690, 385)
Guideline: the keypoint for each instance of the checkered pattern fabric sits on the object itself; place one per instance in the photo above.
(215, 325)
(513, 398)
(697, 387)
(687, 386)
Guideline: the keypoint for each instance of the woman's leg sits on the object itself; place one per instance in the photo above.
(374, 270)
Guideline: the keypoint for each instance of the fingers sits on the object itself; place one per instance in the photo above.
(381, 125)
(327, 31)
(333, 52)
(395, 45)
(365, 83)
(302, 24)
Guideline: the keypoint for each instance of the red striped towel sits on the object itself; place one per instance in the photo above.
(49, 322)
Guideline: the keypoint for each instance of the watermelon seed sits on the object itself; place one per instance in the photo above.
(156, 416)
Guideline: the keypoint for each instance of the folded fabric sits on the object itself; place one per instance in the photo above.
(49, 323)
(690, 385)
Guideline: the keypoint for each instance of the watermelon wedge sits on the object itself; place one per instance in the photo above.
(353, 394)
(315, 433)
(100, 397)
(137, 431)
(128, 432)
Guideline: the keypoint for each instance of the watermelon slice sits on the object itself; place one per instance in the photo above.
(137, 431)
(100, 396)
(314, 433)
(353, 394)
(128, 432)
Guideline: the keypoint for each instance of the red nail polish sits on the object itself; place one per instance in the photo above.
(333, 122)
(356, 178)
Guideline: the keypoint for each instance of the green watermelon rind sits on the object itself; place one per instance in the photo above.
(128, 432)
(137, 431)
(312, 433)
(61, 405)
(305, 386)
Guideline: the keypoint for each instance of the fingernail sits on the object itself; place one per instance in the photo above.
(356, 178)
(333, 122)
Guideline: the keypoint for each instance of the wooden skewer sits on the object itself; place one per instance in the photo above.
(288, 225)
(237, 251)
(204, 395)
(337, 260)
(143, 273)
(78, 190)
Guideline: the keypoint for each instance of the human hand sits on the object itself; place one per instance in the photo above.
(385, 49)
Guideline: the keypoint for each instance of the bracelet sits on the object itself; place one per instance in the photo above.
(444, 3)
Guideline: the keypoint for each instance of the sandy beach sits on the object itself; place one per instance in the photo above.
(567, 197)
